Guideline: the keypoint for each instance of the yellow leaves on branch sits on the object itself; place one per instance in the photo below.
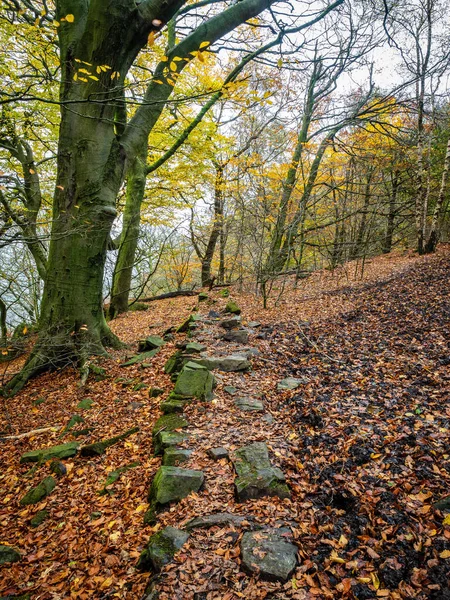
(82, 74)
(68, 18)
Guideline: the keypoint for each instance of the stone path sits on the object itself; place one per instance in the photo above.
(195, 369)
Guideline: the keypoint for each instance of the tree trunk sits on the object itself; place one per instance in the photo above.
(390, 228)
(216, 228)
(433, 238)
(90, 167)
(358, 246)
(123, 269)
(3, 330)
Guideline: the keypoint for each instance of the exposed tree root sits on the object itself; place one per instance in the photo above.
(61, 350)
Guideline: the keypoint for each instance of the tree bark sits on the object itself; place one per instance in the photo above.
(433, 237)
(123, 269)
(390, 228)
(208, 255)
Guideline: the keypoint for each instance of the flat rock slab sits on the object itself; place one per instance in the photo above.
(174, 483)
(161, 548)
(150, 343)
(206, 521)
(173, 404)
(218, 453)
(248, 404)
(232, 323)
(232, 308)
(169, 422)
(194, 347)
(167, 439)
(174, 456)
(38, 493)
(256, 476)
(238, 336)
(234, 363)
(45, 454)
(269, 553)
(290, 383)
(195, 381)
(230, 389)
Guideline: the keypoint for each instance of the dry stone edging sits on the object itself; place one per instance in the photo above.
(38, 493)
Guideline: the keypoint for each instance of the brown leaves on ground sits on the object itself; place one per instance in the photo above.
(364, 443)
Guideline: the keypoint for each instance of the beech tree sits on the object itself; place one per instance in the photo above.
(98, 42)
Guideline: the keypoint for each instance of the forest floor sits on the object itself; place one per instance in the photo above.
(364, 444)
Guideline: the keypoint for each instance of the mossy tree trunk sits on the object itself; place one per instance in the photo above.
(123, 269)
(90, 167)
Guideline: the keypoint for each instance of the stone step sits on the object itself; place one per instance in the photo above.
(161, 548)
(256, 477)
(248, 404)
(195, 381)
(269, 553)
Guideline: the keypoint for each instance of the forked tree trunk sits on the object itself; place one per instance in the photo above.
(90, 168)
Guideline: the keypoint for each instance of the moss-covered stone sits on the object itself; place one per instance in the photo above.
(154, 392)
(203, 296)
(185, 325)
(161, 548)
(165, 439)
(225, 293)
(169, 423)
(173, 404)
(113, 476)
(195, 381)
(174, 363)
(194, 347)
(234, 363)
(85, 404)
(138, 306)
(39, 492)
(174, 456)
(98, 448)
(140, 386)
(256, 476)
(173, 484)
(138, 358)
(232, 308)
(8, 554)
(39, 518)
(39, 401)
(58, 468)
(150, 343)
(269, 553)
(44, 454)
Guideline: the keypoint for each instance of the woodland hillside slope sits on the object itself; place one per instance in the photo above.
(363, 442)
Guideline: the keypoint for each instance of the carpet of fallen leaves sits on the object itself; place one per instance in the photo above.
(364, 444)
